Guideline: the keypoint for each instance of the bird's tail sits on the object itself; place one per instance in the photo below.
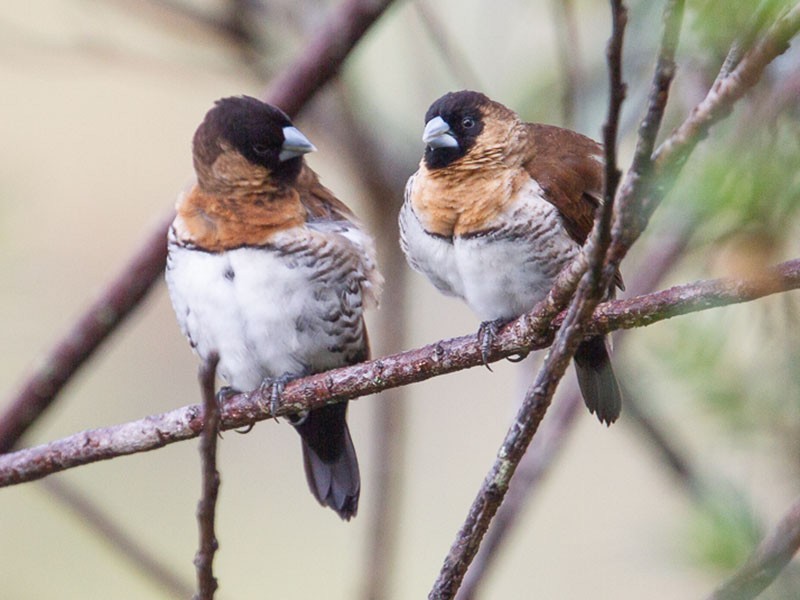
(330, 459)
(597, 381)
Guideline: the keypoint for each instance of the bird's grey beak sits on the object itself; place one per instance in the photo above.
(438, 134)
(295, 144)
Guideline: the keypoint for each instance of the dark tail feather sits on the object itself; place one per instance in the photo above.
(330, 459)
(596, 379)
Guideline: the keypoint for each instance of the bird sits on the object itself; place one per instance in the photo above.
(494, 212)
(270, 271)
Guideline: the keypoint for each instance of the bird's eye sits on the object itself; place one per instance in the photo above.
(468, 122)
(260, 149)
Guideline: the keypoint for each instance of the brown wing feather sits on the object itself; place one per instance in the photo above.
(568, 167)
(563, 163)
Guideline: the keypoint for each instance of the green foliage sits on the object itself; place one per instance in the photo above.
(723, 531)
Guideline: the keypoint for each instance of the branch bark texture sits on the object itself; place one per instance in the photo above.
(767, 561)
(384, 373)
(207, 507)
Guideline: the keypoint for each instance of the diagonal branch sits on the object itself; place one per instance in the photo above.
(381, 374)
(313, 69)
(68, 355)
(552, 437)
(766, 562)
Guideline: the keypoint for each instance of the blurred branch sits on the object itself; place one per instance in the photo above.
(768, 559)
(371, 377)
(116, 302)
(93, 516)
(591, 289)
(719, 101)
(300, 80)
(455, 59)
(207, 507)
(325, 54)
(568, 47)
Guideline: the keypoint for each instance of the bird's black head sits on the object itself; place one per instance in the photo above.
(260, 132)
(452, 126)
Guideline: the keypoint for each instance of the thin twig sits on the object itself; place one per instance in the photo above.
(553, 436)
(374, 376)
(105, 525)
(766, 562)
(534, 467)
(207, 507)
(726, 91)
(630, 222)
(298, 83)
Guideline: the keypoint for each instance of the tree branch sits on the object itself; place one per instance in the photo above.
(291, 90)
(630, 222)
(384, 373)
(569, 335)
(324, 56)
(103, 524)
(549, 441)
(767, 561)
(207, 507)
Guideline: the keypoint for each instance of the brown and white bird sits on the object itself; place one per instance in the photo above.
(497, 208)
(267, 268)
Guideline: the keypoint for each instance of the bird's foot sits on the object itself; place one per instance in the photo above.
(225, 393)
(487, 332)
(275, 386)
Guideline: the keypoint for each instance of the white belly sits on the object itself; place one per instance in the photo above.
(263, 315)
(503, 273)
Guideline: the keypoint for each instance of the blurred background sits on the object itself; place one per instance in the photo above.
(100, 101)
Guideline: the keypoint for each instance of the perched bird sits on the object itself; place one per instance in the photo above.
(267, 268)
(497, 208)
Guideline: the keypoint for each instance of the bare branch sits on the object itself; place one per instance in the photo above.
(630, 221)
(325, 54)
(207, 507)
(377, 375)
(534, 467)
(299, 81)
(554, 433)
(384, 373)
(663, 164)
(720, 99)
(616, 96)
(767, 561)
(570, 334)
